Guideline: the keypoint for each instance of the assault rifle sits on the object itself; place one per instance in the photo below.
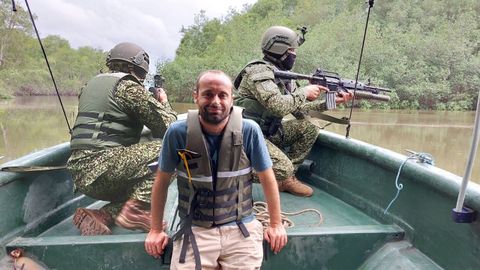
(336, 84)
(158, 81)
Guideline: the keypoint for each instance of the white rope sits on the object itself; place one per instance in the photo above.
(260, 210)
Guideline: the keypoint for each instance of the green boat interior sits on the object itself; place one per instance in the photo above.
(353, 184)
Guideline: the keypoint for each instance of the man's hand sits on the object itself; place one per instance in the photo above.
(344, 97)
(161, 96)
(275, 233)
(313, 91)
(276, 236)
(156, 242)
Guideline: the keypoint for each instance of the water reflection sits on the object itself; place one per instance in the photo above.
(29, 124)
(445, 135)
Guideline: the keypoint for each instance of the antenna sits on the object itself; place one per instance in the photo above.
(46, 60)
(370, 5)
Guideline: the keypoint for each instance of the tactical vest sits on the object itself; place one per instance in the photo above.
(268, 122)
(230, 198)
(100, 122)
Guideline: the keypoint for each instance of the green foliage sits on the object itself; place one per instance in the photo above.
(22, 67)
(426, 50)
(4, 93)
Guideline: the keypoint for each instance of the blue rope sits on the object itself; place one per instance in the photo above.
(421, 157)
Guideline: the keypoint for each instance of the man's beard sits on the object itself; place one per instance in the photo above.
(213, 118)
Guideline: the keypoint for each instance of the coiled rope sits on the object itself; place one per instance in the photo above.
(261, 213)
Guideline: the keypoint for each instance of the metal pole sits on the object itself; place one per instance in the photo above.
(471, 158)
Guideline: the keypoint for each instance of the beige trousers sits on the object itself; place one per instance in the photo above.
(224, 248)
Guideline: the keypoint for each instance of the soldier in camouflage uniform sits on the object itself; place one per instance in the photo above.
(267, 100)
(108, 162)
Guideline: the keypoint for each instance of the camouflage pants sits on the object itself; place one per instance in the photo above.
(288, 151)
(116, 174)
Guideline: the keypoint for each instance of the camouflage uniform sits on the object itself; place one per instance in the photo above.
(117, 174)
(292, 141)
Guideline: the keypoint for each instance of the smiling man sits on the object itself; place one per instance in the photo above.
(214, 151)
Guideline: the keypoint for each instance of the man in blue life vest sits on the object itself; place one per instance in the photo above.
(214, 152)
(108, 162)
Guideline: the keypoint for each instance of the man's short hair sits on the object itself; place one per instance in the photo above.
(213, 71)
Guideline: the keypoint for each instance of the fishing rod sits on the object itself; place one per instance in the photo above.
(370, 5)
(14, 9)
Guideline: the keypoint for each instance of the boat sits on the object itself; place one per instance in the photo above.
(372, 208)
(354, 182)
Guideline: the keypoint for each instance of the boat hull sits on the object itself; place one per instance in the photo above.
(353, 183)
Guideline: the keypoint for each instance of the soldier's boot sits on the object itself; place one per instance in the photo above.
(135, 215)
(294, 186)
(92, 221)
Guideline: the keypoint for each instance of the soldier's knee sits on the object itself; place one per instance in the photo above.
(311, 131)
(283, 169)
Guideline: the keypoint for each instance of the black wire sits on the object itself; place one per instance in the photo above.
(14, 8)
(370, 5)
(48, 65)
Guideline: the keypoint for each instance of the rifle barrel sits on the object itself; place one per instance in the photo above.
(363, 91)
(368, 95)
(375, 88)
(291, 75)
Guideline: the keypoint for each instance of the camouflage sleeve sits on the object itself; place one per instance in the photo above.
(139, 103)
(263, 87)
(316, 105)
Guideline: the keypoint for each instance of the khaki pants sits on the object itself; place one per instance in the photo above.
(223, 248)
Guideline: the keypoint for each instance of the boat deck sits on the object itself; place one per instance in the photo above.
(336, 214)
(344, 231)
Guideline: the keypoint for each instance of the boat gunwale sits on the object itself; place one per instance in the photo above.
(441, 180)
(42, 157)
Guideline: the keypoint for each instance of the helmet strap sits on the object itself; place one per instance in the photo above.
(138, 72)
(272, 59)
(277, 60)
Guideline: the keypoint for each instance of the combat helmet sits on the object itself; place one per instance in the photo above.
(129, 53)
(278, 39)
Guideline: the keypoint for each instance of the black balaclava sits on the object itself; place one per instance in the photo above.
(283, 62)
(288, 60)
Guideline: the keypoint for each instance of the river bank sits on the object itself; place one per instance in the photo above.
(32, 123)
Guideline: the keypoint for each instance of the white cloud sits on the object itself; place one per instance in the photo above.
(154, 25)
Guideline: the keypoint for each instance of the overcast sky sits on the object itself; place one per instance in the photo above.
(154, 25)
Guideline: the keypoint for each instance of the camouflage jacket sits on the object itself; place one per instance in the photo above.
(257, 82)
(136, 101)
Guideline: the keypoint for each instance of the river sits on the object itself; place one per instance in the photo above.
(28, 124)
